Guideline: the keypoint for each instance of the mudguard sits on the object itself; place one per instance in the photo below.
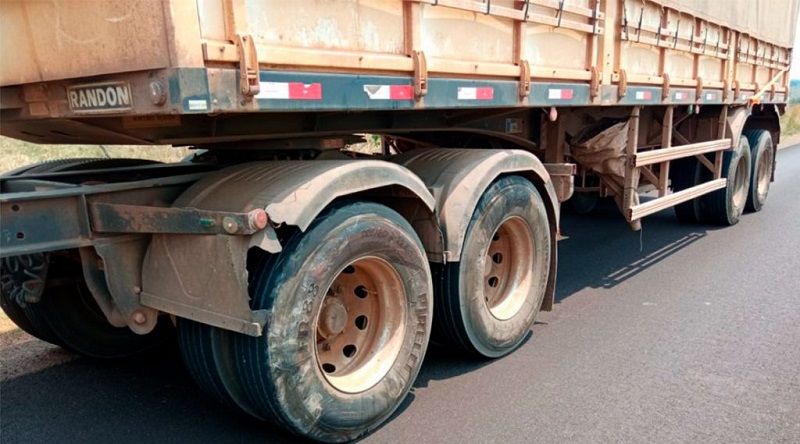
(458, 178)
(204, 277)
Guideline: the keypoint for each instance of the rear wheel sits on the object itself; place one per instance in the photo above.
(725, 206)
(350, 302)
(762, 163)
(207, 354)
(63, 312)
(23, 281)
(68, 310)
(685, 173)
(487, 302)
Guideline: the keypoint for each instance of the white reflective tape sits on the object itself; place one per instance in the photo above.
(273, 90)
(467, 93)
(378, 92)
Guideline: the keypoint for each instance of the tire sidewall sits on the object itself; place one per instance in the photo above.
(507, 197)
(309, 405)
(756, 200)
(742, 150)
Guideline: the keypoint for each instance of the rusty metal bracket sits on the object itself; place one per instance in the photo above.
(249, 84)
(120, 218)
(594, 83)
(420, 75)
(665, 87)
(524, 79)
(623, 84)
(737, 89)
(562, 175)
(699, 88)
(726, 90)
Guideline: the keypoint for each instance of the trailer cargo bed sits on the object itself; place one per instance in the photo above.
(125, 72)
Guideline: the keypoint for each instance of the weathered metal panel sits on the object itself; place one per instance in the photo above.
(51, 40)
(770, 20)
(464, 35)
(333, 25)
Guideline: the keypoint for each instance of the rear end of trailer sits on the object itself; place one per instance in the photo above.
(367, 174)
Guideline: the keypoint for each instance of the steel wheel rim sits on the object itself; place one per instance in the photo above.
(739, 185)
(764, 172)
(507, 268)
(360, 325)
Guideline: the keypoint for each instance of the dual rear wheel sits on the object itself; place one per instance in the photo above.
(351, 310)
(748, 168)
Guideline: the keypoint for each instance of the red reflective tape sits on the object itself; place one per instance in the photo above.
(560, 94)
(401, 92)
(302, 91)
(476, 93)
(484, 93)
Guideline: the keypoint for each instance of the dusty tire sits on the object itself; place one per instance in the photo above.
(487, 302)
(350, 305)
(68, 310)
(725, 206)
(762, 154)
(12, 273)
(21, 316)
(685, 173)
(207, 354)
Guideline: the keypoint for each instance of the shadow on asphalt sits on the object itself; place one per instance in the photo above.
(601, 250)
(153, 399)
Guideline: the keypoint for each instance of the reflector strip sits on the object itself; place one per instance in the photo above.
(290, 91)
(644, 95)
(559, 94)
(681, 96)
(480, 93)
(389, 92)
(711, 96)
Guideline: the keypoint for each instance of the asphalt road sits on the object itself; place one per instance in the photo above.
(680, 334)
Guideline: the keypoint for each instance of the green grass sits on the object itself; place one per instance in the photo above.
(16, 153)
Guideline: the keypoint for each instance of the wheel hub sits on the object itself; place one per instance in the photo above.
(361, 325)
(332, 318)
(507, 270)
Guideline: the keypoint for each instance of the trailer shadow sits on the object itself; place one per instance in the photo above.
(602, 251)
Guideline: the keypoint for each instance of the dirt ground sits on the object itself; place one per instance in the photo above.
(21, 353)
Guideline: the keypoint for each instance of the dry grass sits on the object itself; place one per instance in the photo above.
(16, 153)
(790, 122)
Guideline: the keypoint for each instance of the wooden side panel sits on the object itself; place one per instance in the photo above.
(52, 40)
